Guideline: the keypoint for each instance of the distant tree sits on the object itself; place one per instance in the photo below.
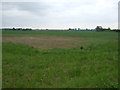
(28, 29)
(19, 29)
(75, 29)
(109, 28)
(99, 28)
(106, 29)
(78, 28)
(70, 29)
(13, 28)
(87, 29)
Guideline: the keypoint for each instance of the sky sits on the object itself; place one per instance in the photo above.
(60, 14)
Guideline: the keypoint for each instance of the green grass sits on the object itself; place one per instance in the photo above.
(84, 34)
(0, 61)
(95, 66)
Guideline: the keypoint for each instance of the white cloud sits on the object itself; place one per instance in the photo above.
(61, 13)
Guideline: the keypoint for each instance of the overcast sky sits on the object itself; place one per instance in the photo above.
(61, 14)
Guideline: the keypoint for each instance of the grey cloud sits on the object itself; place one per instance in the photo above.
(57, 14)
(32, 7)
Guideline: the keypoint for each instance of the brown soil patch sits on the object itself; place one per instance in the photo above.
(45, 42)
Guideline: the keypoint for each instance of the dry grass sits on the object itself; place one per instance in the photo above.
(45, 42)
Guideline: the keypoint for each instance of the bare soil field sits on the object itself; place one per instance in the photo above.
(45, 42)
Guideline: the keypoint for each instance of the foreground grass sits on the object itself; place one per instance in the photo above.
(0, 65)
(92, 67)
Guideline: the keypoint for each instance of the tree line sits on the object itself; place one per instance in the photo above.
(18, 29)
(98, 29)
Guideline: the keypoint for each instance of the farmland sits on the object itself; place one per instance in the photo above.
(59, 59)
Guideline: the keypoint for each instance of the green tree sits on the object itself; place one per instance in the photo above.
(99, 28)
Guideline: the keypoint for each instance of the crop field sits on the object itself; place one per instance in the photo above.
(59, 59)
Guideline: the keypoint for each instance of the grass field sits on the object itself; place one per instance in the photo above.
(78, 60)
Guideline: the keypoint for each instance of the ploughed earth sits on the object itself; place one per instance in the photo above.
(45, 42)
